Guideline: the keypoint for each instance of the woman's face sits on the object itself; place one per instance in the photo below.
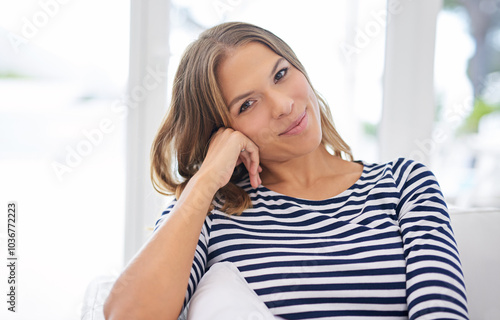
(270, 101)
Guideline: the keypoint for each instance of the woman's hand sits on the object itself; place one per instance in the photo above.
(227, 149)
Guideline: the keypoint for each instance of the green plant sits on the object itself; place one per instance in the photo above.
(481, 108)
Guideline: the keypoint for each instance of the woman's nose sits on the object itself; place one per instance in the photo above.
(281, 103)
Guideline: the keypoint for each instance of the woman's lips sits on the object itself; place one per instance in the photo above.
(297, 126)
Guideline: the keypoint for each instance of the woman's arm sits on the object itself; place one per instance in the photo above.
(434, 280)
(154, 284)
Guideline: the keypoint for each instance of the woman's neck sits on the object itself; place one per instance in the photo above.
(303, 171)
(315, 176)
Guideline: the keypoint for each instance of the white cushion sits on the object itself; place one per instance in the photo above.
(95, 296)
(224, 294)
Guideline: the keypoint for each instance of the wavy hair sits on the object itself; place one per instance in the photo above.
(197, 110)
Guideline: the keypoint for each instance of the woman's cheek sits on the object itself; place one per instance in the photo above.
(300, 84)
(265, 138)
(251, 128)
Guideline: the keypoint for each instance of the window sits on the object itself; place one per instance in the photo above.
(467, 79)
(63, 65)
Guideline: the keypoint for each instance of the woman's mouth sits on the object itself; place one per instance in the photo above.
(297, 126)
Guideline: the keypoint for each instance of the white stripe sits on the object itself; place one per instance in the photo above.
(342, 306)
(287, 281)
(333, 294)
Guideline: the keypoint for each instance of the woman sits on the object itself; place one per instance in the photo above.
(264, 181)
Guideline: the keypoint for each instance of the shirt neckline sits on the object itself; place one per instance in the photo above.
(262, 188)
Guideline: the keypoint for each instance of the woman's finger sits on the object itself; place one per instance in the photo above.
(250, 158)
(227, 149)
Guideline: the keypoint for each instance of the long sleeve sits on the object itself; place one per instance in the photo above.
(200, 256)
(434, 279)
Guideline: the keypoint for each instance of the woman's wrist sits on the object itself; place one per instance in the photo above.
(207, 181)
(199, 192)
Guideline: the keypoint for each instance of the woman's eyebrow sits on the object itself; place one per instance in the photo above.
(276, 66)
(241, 96)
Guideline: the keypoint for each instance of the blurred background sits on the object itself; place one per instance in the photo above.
(85, 84)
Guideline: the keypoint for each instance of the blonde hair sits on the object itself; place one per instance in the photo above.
(197, 110)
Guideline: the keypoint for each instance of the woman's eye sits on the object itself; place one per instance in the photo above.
(280, 74)
(247, 104)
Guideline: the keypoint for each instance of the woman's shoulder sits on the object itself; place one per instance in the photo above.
(171, 201)
(396, 165)
(402, 171)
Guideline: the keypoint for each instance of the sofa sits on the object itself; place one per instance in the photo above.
(477, 233)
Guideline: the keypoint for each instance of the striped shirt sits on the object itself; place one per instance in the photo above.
(382, 249)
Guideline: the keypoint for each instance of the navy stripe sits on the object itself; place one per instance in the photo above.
(344, 313)
(349, 273)
(346, 300)
(323, 262)
(333, 286)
